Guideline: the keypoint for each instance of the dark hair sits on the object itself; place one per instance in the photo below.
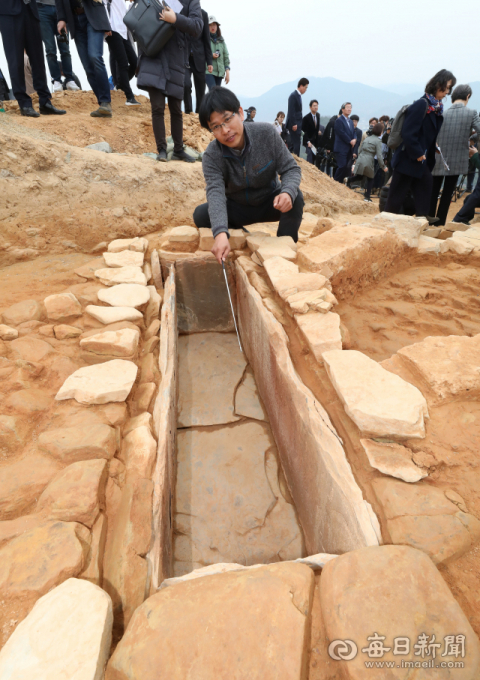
(461, 92)
(384, 119)
(219, 32)
(218, 100)
(377, 129)
(440, 82)
(354, 117)
(302, 82)
(374, 118)
(314, 101)
(280, 113)
(251, 108)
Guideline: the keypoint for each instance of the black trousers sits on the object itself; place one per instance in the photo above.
(421, 189)
(157, 100)
(369, 182)
(295, 141)
(22, 33)
(344, 165)
(200, 85)
(446, 198)
(122, 59)
(467, 212)
(240, 216)
(4, 91)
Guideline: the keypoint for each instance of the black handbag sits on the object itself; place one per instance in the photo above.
(149, 31)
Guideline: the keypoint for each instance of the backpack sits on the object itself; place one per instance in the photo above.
(395, 138)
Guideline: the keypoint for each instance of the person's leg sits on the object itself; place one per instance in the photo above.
(470, 178)
(95, 53)
(34, 50)
(289, 222)
(157, 101)
(65, 56)
(187, 91)
(48, 29)
(436, 187)
(117, 50)
(310, 156)
(399, 187)
(210, 80)
(467, 212)
(341, 169)
(368, 187)
(131, 56)
(13, 32)
(176, 121)
(297, 141)
(422, 191)
(218, 81)
(81, 42)
(200, 83)
(444, 206)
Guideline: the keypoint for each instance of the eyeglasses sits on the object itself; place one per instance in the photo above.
(216, 129)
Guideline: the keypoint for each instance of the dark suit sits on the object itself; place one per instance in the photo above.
(199, 53)
(94, 11)
(20, 29)
(419, 133)
(358, 135)
(344, 133)
(295, 117)
(310, 129)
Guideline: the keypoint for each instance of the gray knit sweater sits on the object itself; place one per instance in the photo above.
(249, 179)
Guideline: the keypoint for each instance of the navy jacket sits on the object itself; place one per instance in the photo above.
(358, 134)
(344, 133)
(294, 115)
(95, 11)
(419, 134)
(11, 8)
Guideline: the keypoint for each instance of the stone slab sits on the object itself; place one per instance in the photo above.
(66, 332)
(380, 403)
(26, 310)
(406, 228)
(137, 244)
(125, 258)
(321, 332)
(427, 244)
(107, 315)
(125, 295)
(81, 442)
(183, 235)
(121, 343)
(393, 460)
(114, 276)
(62, 307)
(265, 252)
(100, 384)
(247, 400)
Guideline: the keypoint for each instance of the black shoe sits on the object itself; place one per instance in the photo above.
(162, 156)
(432, 220)
(48, 109)
(30, 112)
(182, 156)
(132, 102)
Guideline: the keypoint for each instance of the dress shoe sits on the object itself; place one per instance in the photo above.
(48, 109)
(183, 156)
(30, 112)
(162, 156)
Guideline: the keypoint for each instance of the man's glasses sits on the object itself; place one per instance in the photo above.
(216, 129)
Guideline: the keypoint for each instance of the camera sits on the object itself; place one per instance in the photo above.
(63, 37)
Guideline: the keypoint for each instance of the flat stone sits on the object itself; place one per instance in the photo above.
(427, 244)
(113, 276)
(34, 563)
(224, 647)
(407, 228)
(66, 635)
(87, 271)
(206, 239)
(448, 366)
(393, 460)
(255, 241)
(183, 235)
(144, 395)
(321, 332)
(27, 310)
(122, 343)
(126, 258)
(8, 333)
(76, 494)
(461, 246)
(137, 244)
(360, 597)
(71, 444)
(100, 384)
(31, 349)
(229, 506)
(238, 239)
(30, 400)
(275, 249)
(109, 315)
(138, 453)
(21, 482)
(456, 226)
(380, 403)
(62, 307)
(292, 284)
(153, 329)
(278, 268)
(207, 359)
(247, 399)
(311, 301)
(64, 332)
(143, 419)
(125, 295)
(152, 310)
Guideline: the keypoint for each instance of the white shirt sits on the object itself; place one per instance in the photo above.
(116, 10)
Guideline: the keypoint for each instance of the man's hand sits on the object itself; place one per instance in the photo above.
(61, 26)
(294, 128)
(283, 203)
(353, 142)
(227, 76)
(108, 34)
(385, 169)
(421, 159)
(168, 15)
(354, 155)
(210, 69)
(309, 144)
(221, 247)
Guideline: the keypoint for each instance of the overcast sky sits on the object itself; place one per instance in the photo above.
(275, 41)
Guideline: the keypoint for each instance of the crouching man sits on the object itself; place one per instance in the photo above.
(241, 168)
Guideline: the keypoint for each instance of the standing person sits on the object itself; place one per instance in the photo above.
(311, 131)
(199, 54)
(345, 140)
(328, 143)
(295, 117)
(163, 77)
(467, 212)
(280, 126)
(88, 23)
(365, 165)
(21, 32)
(237, 193)
(120, 54)
(453, 140)
(373, 121)
(221, 57)
(251, 113)
(50, 37)
(358, 134)
(414, 159)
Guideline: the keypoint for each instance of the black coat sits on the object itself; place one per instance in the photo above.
(166, 71)
(294, 114)
(419, 134)
(328, 141)
(311, 130)
(11, 8)
(201, 48)
(95, 12)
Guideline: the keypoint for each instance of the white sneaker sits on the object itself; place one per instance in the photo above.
(72, 85)
(57, 86)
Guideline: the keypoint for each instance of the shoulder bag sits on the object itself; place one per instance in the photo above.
(149, 31)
